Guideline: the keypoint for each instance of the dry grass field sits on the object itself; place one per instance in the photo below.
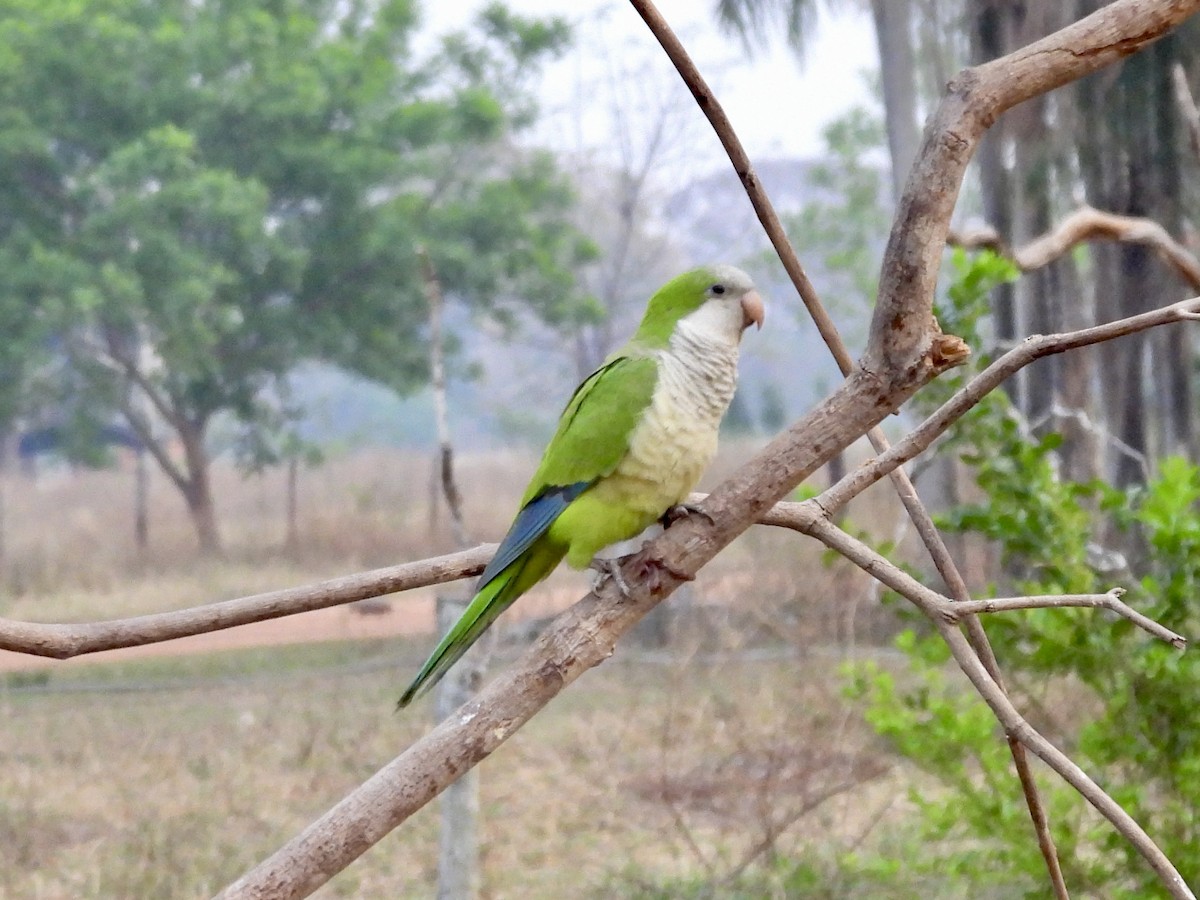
(167, 777)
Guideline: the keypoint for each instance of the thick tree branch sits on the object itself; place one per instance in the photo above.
(975, 98)
(145, 434)
(1086, 224)
(125, 368)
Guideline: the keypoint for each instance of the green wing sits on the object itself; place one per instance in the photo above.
(593, 433)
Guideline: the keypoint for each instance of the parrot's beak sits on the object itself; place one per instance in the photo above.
(752, 309)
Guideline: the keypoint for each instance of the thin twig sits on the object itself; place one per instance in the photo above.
(811, 518)
(763, 208)
(1110, 601)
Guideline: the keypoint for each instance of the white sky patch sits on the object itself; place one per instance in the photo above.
(777, 107)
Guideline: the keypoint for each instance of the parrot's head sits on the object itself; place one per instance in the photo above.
(718, 301)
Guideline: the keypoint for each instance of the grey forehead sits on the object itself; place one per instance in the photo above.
(732, 277)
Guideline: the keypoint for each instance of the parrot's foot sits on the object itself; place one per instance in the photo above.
(682, 511)
(611, 568)
(651, 568)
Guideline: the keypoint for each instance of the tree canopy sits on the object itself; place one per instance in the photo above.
(198, 196)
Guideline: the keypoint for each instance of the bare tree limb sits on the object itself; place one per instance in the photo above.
(62, 641)
(1110, 601)
(809, 517)
(1086, 224)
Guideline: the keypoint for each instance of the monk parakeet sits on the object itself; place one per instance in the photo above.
(631, 444)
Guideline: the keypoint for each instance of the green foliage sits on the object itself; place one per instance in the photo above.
(238, 187)
(1127, 707)
(197, 198)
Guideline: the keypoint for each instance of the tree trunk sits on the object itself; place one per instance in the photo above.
(292, 540)
(893, 35)
(1080, 452)
(1178, 411)
(1131, 415)
(458, 856)
(141, 500)
(8, 454)
(197, 490)
(989, 41)
(1179, 357)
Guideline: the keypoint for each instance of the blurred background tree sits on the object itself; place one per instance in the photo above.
(202, 196)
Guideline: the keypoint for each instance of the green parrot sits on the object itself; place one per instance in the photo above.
(630, 446)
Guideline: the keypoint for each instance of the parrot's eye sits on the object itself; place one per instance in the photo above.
(717, 289)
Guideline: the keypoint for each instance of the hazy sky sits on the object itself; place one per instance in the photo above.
(776, 106)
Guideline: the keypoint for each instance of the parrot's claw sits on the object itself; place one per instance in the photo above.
(682, 511)
(611, 568)
(652, 567)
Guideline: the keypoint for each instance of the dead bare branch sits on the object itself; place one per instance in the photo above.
(1110, 601)
(763, 208)
(62, 641)
(804, 516)
(1086, 224)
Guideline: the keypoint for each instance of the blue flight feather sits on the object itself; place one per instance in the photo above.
(531, 523)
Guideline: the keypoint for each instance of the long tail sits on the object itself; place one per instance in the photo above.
(493, 598)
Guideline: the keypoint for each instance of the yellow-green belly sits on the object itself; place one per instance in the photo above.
(668, 453)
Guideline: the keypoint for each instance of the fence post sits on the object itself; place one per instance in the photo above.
(458, 851)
